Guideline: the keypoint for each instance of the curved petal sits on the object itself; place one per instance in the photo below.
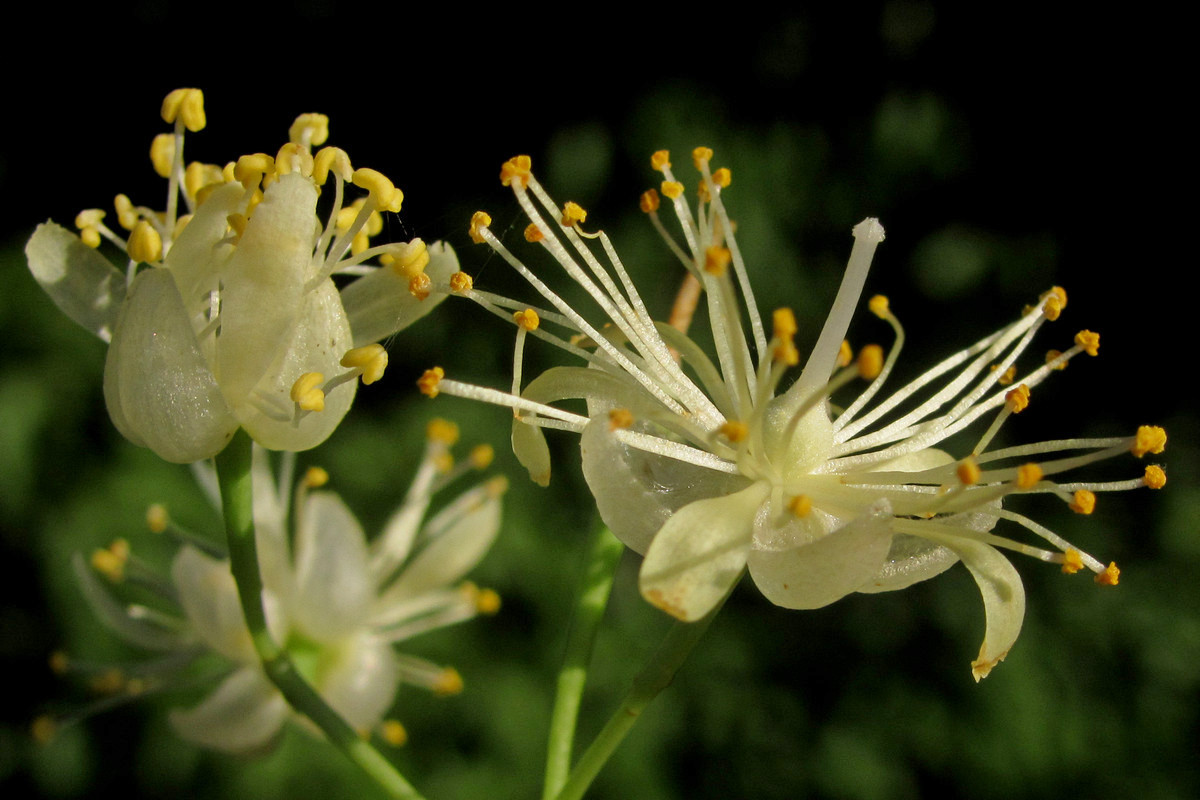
(209, 598)
(814, 570)
(698, 555)
(1003, 600)
(637, 492)
(532, 452)
(910, 560)
(466, 534)
(197, 257)
(80, 281)
(379, 303)
(244, 713)
(158, 387)
(361, 684)
(333, 586)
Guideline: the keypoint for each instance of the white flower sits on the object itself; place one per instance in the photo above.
(235, 321)
(710, 467)
(336, 602)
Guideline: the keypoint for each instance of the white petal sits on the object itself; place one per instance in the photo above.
(316, 343)
(270, 536)
(801, 563)
(159, 389)
(244, 713)
(379, 303)
(1003, 600)
(454, 552)
(361, 684)
(333, 588)
(115, 616)
(910, 560)
(698, 555)
(80, 281)
(264, 283)
(529, 446)
(209, 598)
(637, 492)
(197, 258)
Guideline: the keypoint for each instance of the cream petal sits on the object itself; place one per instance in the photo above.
(244, 713)
(115, 615)
(698, 555)
(910, 560)
(530, 448)
(379, 303)
(333, 590)
(319, 338)
(361, 684)
(264, 284)
(80, 281)
(637, 492)
(270, 534)
(459, 547)
(209, 598)
(159, 390)
(197, 257)
(1003, 600)
(816, 567)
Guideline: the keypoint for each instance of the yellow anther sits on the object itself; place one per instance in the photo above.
(392, 732)
(1017, 399)
(800, 505)
(162, 154)
(1008, 376)
(573, 214)
(461, 282)
(90, 237)
(1054, 301)
(89, 218)
(331, 159)
(533, 233)
(442, 431)
(372, 359)
(1083, 502)
(1110, 577)
(315, 477)
(420, 286)
(250, 169)
(111, 681)
(127, 215)
(347, 214)
(1028, 475)
(968, 471)
(723, 177)
(1155, 478)
(481, 456)
(145, 244)
(443, 463)
(198, 175)
(188, 105)
(516, 169)
(429, 380)
(307, 392)
(487, 602)
(293, 158)
(43, 729)
(496, 487)
(845, 354)
(870, 362)
(479, 221)
(1052, 355)
(309, 129)
(410, 259)
(784, 320)
(109, 564)
(1089, 342)
(237, 223)
(157, 518)
(716, 260)
(701, 156)
(1149, 439)
(649, 201)
(59, 662)
(703, 193)
(620, 418)
(660, 160)
(671, 189)
(1072, 562)
(878, 306)
(527, 320)
(383, 192)
(448, 683)
(734, 431)
(785, 352)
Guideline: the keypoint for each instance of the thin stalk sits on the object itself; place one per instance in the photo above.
(604, 553)
(233, 477)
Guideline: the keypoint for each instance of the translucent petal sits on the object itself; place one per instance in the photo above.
(453, 553)
(158, 387)
(270, 536)
(113, 615)
(637, 492)
(910, 560)
(379, 303)
(244, 713)
(361, 683)
(80, 281)
(698, 555)
(333, 587)
(196, 258)
(1003, 600)
(209, 598)
(529, 446)
(319, 338)
(264, 283)
(819, 559)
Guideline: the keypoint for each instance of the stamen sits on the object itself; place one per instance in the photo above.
(1110, 576)
(145, 243)
(442, 431)
(1072, 562)
(480, 220)
(1028, 475)
(619, 419)
(1155, 477)
(1084, 502)
(371, 360)
(1089, 342)
(392, 732)
(306, 392)
(429, 381)
(1149, 439)
(187, 105)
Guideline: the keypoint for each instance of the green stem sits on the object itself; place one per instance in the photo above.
(237, 497)
(655, 676)
(604, 553)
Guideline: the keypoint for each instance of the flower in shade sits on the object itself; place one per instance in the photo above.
(338, 603)
(711, 464)
(227, 315)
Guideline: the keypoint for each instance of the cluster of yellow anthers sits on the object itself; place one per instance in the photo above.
(226, 314)
(711, 467)
(339, 604)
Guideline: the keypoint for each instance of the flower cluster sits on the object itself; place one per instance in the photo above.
(227, 315)
(712, 467)
(335, 601)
